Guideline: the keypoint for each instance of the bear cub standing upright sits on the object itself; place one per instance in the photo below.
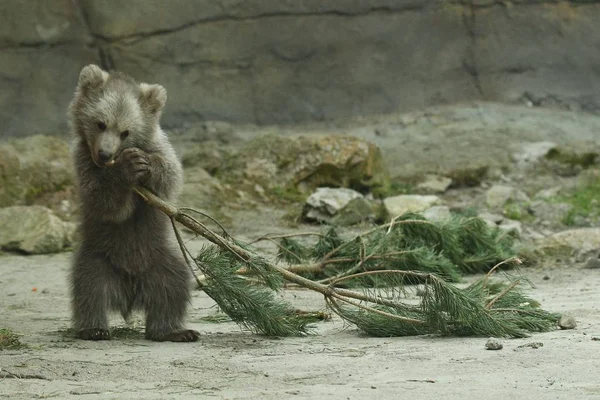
(128, 258)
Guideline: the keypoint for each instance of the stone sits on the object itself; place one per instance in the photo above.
(468, 176)
(580, 240)
(243, 61)
(434, 184)
(491, 219)
(552, 214)
(398, 205)
(33, 167)
(508, 225)
(357, 210)
(205, 155)
(437, 213)
(567, 322)
(34, 230)
(549, 193)
(209, 131)
(593, 263)
(498, 195)
(530, 153)
(200, 190)
(493, 344)
(307, 162)
(503, 55)
(33, 102)
(326, 202)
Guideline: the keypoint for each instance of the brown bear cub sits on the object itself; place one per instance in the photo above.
(127, 258)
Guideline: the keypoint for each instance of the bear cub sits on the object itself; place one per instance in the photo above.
(127, 258)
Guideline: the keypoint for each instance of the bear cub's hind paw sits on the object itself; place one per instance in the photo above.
(186, 335)
(94, 334)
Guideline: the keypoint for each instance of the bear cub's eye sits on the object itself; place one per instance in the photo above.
(124, 134)
(101, 126)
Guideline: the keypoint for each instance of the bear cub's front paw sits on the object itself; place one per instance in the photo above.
(135, 165)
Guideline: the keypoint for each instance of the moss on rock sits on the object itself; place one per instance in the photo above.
(284, 163)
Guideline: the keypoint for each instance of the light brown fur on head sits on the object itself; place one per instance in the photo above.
(111, 112)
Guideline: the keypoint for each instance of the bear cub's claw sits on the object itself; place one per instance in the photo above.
(94, 334)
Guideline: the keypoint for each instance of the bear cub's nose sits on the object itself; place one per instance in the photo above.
(104, 156)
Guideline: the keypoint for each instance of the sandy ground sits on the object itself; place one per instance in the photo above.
(337, 362)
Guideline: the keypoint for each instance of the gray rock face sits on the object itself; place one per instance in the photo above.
(33, 230)
(289, 61)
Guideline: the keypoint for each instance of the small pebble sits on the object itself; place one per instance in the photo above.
(546, 278)
(493, 344)
(567, 322)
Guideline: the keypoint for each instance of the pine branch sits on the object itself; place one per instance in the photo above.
(484, 308)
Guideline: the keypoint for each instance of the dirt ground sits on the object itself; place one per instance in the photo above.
(337, 361)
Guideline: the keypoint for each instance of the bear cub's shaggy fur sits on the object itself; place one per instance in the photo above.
(128, 258)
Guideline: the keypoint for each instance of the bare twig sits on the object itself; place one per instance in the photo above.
(6, 374)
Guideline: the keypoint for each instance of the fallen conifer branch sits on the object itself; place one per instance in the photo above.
(483, 308)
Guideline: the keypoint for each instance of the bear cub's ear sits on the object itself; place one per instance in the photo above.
(153, 97)
(92, 76)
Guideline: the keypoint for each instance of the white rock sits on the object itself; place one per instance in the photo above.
(326, 202)
(398, 205)
(435, 184)
(33, 230)
(509, 225)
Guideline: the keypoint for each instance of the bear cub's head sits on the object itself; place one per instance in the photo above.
(111, 112)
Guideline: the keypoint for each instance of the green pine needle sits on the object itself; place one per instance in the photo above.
(250, 305)
(448, 310)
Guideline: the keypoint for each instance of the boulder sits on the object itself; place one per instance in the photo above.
(34, 230)
(581, 240)
(33, 167)
(308, 162)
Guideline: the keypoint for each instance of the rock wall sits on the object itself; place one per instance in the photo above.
(286, 61)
